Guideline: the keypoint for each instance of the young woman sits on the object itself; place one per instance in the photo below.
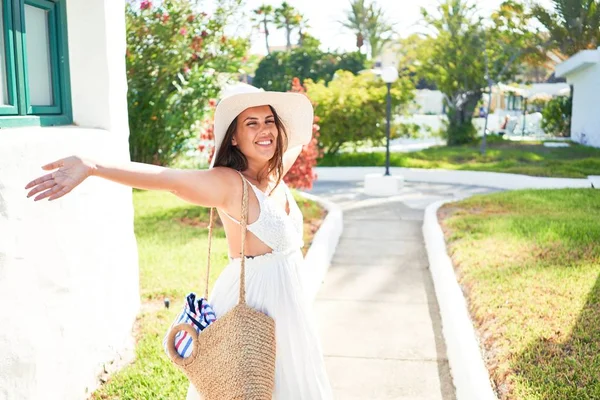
(258, 136)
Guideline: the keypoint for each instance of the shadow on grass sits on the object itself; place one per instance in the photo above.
(568, 370)
(173, 218)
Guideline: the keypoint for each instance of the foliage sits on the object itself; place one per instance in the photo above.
(277, 69)
(527, 158)
(173, 54)
(368, 23)
(573, 25)
(288, 18)
(556, 116)
(301, 175)
(451, 56)
(352, 108)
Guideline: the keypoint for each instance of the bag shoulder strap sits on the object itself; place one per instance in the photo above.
(243, 227)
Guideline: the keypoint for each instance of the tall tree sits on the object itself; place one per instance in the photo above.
(368, 23)
(451, 57)
(378, 30)
(263, 16)
(288, 18)
(573, 25)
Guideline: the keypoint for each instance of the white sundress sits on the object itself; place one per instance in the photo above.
(274, 285)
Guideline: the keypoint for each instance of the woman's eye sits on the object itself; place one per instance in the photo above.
(270, 122)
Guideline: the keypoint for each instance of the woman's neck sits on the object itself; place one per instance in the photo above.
(257, 173)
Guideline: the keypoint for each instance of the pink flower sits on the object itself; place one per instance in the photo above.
(212, 102)
(183, 31)
(146, 4)
(165, 17)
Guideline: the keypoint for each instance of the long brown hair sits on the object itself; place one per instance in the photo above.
(230, 156)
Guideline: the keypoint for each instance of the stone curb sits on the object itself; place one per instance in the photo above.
(321, 251)
(469, 374)
(496, 180)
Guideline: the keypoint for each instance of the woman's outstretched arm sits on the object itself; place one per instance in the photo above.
(206, 188)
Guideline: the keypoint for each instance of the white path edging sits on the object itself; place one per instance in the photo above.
(495, 180)
(319, 255)
(470, 376)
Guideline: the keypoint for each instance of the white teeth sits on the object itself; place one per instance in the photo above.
(266, 142)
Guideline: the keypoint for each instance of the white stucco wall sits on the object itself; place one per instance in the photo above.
(585, 122)
(583, 71)
(69, 288)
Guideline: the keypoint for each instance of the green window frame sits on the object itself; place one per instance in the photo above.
(19, 110)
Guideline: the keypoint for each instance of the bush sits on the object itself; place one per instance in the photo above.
(173, 57)
(352, 109)
(301, 175)
(277, 69)
(556, 116)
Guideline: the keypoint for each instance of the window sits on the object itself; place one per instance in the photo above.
(34, 73)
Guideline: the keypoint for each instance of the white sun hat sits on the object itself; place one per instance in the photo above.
(294, 109)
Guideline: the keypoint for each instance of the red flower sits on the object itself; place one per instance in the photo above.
(190, 18)
(144, 5)
(212, 102)
(201, 147)
(204, 34)
(165, 17)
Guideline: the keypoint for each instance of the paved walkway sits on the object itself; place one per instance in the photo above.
(377, 311)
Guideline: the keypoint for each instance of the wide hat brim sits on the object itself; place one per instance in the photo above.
(294, 109)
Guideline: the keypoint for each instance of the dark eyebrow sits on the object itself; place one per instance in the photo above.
(268, 116)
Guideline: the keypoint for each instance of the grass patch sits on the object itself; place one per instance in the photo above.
(172, 245)
(529, 264)
(528, 158)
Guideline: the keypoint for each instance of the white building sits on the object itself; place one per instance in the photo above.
(68, 269)
(583, 72)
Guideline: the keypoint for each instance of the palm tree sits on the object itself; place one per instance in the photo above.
(378, 30)
(367, 22)
(573, 25)
(288, 18)
(356, 21)
(263, 15)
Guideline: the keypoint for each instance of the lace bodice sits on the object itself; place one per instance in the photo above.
(278, 230)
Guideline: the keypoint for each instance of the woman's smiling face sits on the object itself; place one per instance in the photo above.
(256, 133)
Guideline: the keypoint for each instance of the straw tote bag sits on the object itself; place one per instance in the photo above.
(234, 357)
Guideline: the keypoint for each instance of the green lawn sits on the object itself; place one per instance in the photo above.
(172, 246)
(529, 158)
(529, 264)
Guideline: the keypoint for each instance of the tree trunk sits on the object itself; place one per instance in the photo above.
(288, 32)
(460, 115)
(266, 35)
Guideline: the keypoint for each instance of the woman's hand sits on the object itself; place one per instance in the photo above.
(71, 172)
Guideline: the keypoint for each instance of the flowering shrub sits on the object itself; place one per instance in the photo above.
(174, 57)
(301, 175)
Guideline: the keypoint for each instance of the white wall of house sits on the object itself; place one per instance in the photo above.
(583, 72)
(69, 288)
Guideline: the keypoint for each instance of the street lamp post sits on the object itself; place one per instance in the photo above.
(389, 76)
(387, 184)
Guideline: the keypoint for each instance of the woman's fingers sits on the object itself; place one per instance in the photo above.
(39, 180)
(55, 189)
(46, 185)
(54, 165)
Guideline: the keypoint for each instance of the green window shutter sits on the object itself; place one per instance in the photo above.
(8, 87)
(37, 67)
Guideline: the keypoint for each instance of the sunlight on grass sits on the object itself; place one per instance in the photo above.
(502, 156)
(529, 263)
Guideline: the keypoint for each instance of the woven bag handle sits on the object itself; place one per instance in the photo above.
(243, 225)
